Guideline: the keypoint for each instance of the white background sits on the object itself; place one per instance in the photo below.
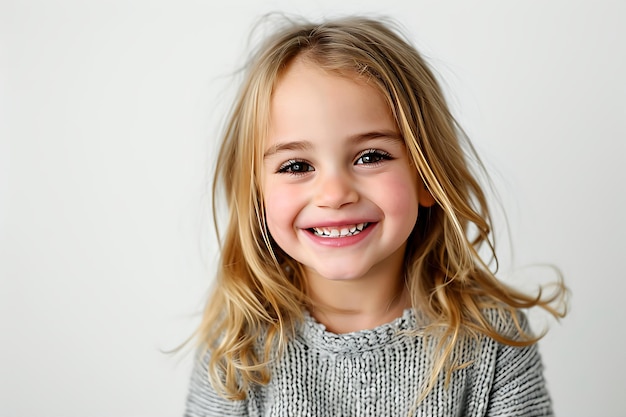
(109, 114)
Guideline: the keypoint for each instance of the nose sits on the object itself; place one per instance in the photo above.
(334, 190)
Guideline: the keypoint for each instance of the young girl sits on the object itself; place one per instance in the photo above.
(350, 282)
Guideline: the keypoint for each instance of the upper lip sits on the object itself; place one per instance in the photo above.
(337, 223)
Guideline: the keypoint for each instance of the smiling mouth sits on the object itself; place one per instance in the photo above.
(337, 232)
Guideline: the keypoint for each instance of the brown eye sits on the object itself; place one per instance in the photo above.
(295, 167)
(372, 156)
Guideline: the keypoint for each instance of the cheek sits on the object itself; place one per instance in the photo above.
(400, 198)
(280, 208)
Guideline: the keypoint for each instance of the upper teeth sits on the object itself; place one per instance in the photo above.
(340, 232)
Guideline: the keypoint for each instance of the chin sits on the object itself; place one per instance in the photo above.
(335, 275)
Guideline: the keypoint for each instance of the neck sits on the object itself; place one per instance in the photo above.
(353, 305)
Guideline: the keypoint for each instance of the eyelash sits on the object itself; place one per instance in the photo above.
(287, 167)
(377, 153)
(290, 166)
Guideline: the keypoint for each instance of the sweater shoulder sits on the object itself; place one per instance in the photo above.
(512, 324)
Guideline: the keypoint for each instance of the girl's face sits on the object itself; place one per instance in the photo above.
(340, 195)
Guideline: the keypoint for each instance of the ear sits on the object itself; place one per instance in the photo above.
(424, 196)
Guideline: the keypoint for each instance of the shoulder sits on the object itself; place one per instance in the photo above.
(509, 323)
(203, 399)
(516, 381)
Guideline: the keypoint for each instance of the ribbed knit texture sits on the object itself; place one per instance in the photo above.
(379, 372)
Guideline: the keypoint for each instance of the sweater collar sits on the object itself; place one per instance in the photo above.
(314, 335)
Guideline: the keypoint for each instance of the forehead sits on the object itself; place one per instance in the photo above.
(309, 102)
(303, 71)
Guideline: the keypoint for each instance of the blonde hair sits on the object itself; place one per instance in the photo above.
(259, 291)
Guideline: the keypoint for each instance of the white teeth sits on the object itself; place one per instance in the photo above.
(344, 231)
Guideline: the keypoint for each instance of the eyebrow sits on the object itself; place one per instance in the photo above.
(303, 145)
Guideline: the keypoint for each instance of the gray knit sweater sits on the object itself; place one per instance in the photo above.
(379, 372)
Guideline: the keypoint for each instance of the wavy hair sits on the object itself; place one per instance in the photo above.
(259, 291)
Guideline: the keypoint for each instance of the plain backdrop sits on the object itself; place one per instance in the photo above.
(109, 117)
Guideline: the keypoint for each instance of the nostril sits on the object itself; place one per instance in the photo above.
(335, 192)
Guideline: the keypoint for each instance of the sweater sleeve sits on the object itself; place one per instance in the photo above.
(203, 400)
(519, 387)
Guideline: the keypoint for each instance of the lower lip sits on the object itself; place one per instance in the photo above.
(338, 242)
